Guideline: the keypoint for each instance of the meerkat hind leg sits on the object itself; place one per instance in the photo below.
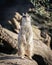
(28, 54)
(22, 52)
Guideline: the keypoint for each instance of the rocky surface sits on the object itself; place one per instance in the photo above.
(9, 15)
(15, 60)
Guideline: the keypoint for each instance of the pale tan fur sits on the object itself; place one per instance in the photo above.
(25, 38)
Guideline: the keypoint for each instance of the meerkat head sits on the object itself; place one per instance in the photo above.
(26, 18)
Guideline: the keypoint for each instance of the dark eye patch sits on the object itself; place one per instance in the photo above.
(24, 16)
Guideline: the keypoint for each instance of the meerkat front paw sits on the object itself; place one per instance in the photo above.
(22, 57)
(30, 57)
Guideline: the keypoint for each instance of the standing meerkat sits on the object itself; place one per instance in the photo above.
(25, 38)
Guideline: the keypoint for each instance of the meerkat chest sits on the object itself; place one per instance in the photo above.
(26, 30)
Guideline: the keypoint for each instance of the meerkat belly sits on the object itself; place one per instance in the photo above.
(27, 33)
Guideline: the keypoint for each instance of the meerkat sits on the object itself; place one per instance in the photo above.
(25, 38)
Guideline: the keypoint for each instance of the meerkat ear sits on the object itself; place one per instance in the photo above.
(23, 14)
(26, 14)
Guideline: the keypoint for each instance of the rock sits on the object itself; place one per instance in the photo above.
(14, 60)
